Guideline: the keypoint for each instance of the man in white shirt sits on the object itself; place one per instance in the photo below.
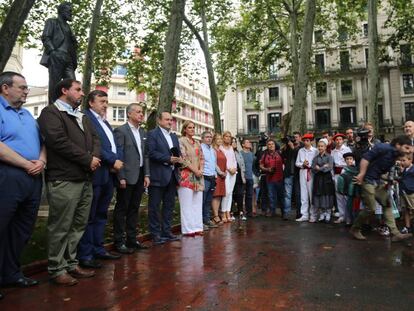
(339, 163)
(133, 178)
(304, 163)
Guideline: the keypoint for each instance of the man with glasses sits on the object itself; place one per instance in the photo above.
(22, 160)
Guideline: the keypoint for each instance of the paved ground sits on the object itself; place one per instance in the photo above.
(264, 264)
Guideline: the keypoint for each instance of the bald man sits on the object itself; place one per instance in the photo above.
(409, 130)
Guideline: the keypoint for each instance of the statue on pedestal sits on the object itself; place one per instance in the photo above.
(60, 47)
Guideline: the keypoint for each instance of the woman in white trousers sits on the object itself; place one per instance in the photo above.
(228, 151)
(190, 190)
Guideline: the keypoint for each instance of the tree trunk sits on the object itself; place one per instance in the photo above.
(373, 68)
(88, 66)
(11, 27)
(298, 122)
(204, 45)
(169, 74)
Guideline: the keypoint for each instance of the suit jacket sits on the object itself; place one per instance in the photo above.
(52, 38)
(159, 154)
(127, 146)
(102, 174)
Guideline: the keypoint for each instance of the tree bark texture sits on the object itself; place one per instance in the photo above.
(11, 27)
(172, 47)
(88, 66)
(204, 45)
(373, 68)
(298, 122)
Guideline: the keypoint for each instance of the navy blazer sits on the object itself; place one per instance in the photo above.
(159, 154)
(102, 174)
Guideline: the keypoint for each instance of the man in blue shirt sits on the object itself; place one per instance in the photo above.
(249, 159)
(209, 172)
(376, 162)
(22, 160)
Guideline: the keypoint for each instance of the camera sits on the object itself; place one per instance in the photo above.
(363, 134)
(263, 139)
(285, 140)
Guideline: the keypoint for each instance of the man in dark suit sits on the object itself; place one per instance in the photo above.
(164, 156)
(59, 48)
(133, 178)
(91, 246)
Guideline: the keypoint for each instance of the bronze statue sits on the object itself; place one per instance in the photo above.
(59, 48)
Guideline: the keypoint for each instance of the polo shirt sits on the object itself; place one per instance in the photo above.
(19, 130)
(381, 158)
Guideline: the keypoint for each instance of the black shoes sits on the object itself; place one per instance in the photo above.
(122, 249)
(158, 241)
(170, 238)
(90, 264)
(22, 282)
(136, 245)
(107, 256)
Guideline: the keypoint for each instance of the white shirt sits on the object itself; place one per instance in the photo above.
(167, 136)
(338, 155)
(106, 129)
(306, 154)
(135, 131)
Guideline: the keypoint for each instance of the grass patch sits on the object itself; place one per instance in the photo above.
(36, 249)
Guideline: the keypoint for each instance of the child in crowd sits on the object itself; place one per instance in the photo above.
(407, 190)
(323, 185)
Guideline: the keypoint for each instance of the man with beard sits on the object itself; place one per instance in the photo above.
(376, 162)
(73, 149)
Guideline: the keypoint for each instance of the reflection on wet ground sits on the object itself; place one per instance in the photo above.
(261, 264)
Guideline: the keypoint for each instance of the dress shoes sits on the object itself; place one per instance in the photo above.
(81, 273)
(107, 256)
(122, 249)
(22, 282)
(90, 264)
(64, 280)
(171, 238)
(158, 241)
(136, 245)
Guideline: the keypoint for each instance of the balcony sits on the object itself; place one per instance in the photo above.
(345, 125)
(252, 105)
(322, 98)
(274, 102)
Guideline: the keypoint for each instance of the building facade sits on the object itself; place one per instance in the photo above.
(337, 99)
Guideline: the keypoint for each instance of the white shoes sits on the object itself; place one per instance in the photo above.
(339, 220)
(302, 219)
(321, 217)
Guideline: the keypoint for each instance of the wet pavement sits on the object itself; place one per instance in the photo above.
(261, 264)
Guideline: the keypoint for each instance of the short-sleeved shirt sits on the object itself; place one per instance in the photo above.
(275, 161)
(19, 131)
(381, 158)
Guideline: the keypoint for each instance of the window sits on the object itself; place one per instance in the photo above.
(320, 62)
(342, 33)
(273, 121)
(321, 89)
(344, 60)
(346, 87)
(273, 93)
(408, 83)
(365, 30)
(318, 36)
(251, 95)
(409, 111)
(347, 116)
(273, 70)
(405, 51)
(380, 116)
(323, 118)
(253, 123)
(35, 111)
(366, 57)
(119, 114)
(119, 70)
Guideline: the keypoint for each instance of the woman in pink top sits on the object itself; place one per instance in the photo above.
(231, 164)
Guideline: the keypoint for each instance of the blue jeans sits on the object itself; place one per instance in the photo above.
(288, 193)
(209, 187)
(275, 190)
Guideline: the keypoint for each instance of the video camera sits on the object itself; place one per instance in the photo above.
(263, 139)
(285, 140)
(363, 135)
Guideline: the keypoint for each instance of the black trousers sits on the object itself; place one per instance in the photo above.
(19, 202)
(126, 209)
(60, 67)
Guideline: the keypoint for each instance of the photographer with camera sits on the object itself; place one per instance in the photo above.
(289, 152)
(376, 162)
(271, 164)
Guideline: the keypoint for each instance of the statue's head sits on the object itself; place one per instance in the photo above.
(65, 11)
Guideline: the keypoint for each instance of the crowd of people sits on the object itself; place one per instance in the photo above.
(346, 177)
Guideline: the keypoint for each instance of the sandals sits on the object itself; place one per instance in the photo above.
(217, 220)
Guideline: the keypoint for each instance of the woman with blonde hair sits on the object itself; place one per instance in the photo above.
(190, 190)
(221, 170)
(230, 181)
